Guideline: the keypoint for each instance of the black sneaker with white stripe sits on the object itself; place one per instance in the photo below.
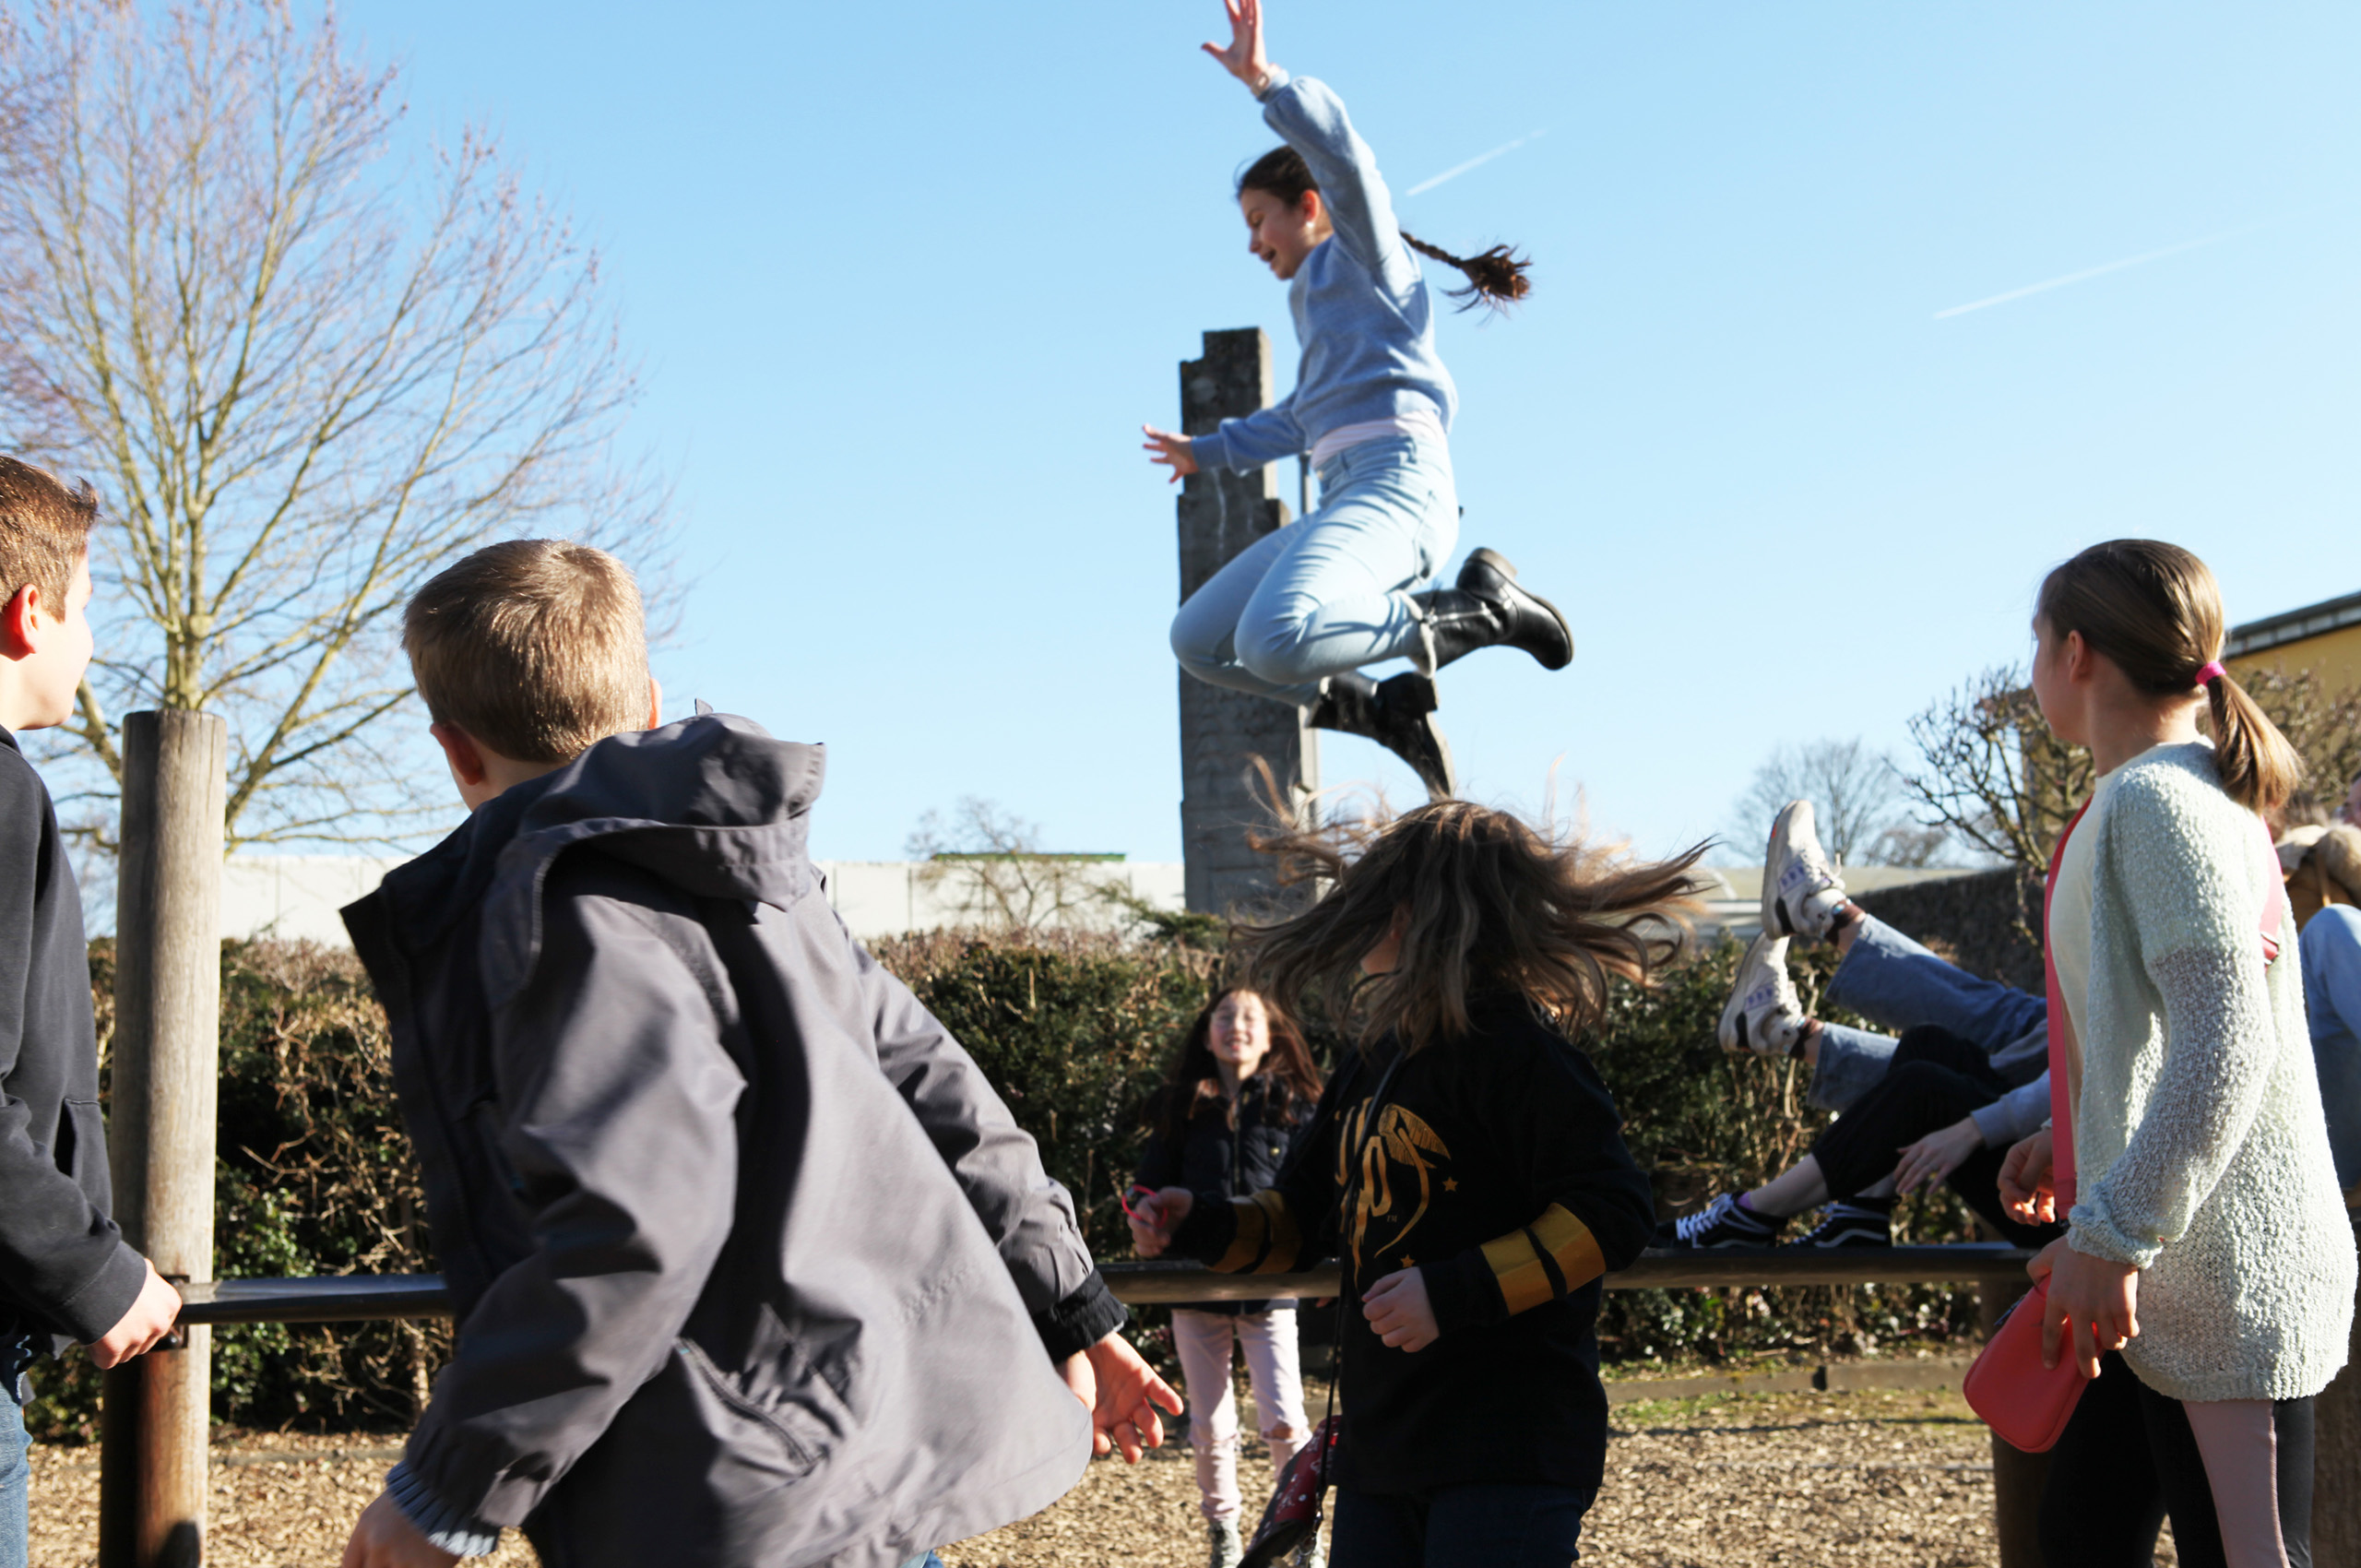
(1855, 1222)
(1725, 1222)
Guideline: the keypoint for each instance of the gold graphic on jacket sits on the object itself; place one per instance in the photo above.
(1401, 1149)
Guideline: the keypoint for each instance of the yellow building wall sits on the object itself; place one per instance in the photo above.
(2334, 657)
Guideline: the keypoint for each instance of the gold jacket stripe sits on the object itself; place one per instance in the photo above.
(1524, 1260)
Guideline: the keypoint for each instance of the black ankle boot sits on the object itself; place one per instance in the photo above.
(1398, 716)
(1488, 609)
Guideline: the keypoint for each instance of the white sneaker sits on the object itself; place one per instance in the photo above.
(1801, 892)
(1763, 1013)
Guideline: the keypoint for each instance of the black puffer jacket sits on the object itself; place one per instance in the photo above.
(1217, 1162)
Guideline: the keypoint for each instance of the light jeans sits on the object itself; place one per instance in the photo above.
(1329, 593)
(16, 1354)
(1890, 980)
(2330, 943)
(1203, 1340)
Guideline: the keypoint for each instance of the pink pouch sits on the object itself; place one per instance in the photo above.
(2025, 1402)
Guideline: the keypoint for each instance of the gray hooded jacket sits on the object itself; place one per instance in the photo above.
(751, 1264)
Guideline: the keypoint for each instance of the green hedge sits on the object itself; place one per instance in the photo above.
(315, 1176)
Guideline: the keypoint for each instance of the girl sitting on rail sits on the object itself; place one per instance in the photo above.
(1295, 615)
(1489, 1186)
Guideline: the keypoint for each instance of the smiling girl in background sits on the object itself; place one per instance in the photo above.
(1296, 615)
(1221, 1127)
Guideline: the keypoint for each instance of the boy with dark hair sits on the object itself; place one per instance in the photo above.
(65, 1273)
(751, 1264)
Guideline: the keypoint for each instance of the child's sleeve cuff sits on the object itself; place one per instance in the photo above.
(445, 1527)
(1082, 1320)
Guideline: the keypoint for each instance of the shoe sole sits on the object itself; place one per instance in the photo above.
(1731, 1030)
(1774, 918)
(1501, 563)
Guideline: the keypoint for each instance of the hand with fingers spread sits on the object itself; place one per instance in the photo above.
(1173, 451)
(1121, 1392)
(2025, 1189)
(1399, 1311)
(1927, 1162)
(1243, 58)
(2093, 1299)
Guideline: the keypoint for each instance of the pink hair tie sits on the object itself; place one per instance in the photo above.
(2211, 673)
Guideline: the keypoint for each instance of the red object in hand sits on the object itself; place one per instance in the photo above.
(1137, 1192)
(2025, 1402)
(1293, 1512)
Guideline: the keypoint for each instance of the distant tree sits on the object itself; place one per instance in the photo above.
(1857, 798)
(990, 865)
(2323, 725)
(1992, 775)
(304, 370)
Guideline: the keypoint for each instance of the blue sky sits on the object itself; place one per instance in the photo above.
(906, 277)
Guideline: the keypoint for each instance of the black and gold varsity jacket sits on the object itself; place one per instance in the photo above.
(1496, 1168)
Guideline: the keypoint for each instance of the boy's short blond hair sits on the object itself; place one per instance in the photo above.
(45, 532)
(537, 648)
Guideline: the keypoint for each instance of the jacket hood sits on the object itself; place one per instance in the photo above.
(713, 804)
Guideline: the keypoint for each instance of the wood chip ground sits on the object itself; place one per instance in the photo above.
(1727, 1482)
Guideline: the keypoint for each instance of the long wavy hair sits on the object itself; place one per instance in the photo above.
(1194, 1086)
(1488, 904)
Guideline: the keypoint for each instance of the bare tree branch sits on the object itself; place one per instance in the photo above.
(308, 368)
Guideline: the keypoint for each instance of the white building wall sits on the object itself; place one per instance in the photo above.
(297, 897)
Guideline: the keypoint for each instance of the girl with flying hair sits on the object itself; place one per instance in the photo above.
(1466, 951)
(1297, 614)
(2205, 1280)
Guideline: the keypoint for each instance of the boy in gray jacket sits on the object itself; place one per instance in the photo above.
(751, 1264)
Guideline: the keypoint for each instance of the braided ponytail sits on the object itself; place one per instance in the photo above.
(1495, 278)
(2155, 610)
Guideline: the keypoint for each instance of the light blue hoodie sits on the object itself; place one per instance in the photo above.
(1362, 310)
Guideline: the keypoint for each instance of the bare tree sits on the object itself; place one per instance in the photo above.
(1992, 772)
(2323, 725)
(305, 370)
(992, 865)
(1857, 798)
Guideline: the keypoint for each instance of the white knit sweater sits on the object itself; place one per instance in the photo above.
(2201, 1152)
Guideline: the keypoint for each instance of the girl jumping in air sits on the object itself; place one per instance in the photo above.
(2208, 1265)
(1464, 1165)
(1295, 615)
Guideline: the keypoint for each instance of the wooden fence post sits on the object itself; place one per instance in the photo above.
(2336, 1463)
(2017, 1477)
(166, 1068)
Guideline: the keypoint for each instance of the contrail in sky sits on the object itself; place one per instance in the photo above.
(1453, 174)
(2090, 272)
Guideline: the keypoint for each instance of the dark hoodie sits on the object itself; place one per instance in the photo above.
(751, 1264)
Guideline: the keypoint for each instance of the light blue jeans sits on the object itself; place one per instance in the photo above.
(1890, 980)
(15, 1355)
(2331, 944)
(1330, 593)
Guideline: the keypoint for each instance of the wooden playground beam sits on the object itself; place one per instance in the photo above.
(360, 1298)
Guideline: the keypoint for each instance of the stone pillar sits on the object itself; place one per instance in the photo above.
(1221, 730)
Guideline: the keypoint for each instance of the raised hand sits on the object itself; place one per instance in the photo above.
(1173, 451)
(1244, 58)
(1155, 1218)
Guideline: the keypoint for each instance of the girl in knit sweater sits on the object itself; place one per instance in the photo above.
(2206, 1278)
(1295, 615)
